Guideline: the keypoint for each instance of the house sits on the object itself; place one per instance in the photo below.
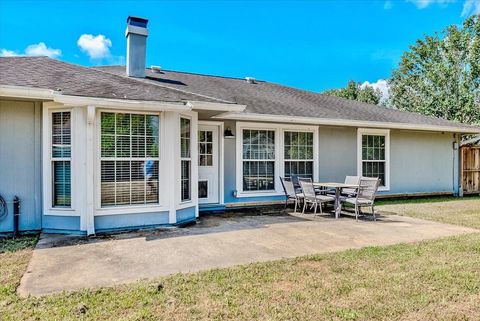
(105, 148)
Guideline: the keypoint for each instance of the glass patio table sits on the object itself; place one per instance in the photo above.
(338, 190)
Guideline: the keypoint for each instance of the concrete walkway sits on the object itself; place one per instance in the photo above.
(71, 263)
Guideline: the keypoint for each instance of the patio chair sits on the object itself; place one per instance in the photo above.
(365, 197)
(290, 193)
(351, 180)
(311, 197)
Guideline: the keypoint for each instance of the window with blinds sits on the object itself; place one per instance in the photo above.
(258, 160)
(373, 157)
(298, 154)
(61, 150)
(185, 159)
(129, 159)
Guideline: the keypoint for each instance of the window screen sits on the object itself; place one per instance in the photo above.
(129, 159)
(298, 154)
(373, 157)
(185, 158)
(258, 160)
(61, 159)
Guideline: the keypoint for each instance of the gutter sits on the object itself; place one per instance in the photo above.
(58, 97)
(344, 122)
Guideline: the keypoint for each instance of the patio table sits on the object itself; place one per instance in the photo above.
(338, 189)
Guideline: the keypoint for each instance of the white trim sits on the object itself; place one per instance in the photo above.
(138, 105)
(343, 122)
(201, 105)
(379, 132)
(221, 156)
(136, 30)
(279, 160)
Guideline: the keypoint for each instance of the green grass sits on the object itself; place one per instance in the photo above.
(459, 211)
(430, 280)
(12, 245)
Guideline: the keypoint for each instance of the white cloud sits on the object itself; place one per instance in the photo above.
(471, 7)
(39, 49)
(422, 4)
(8, 53)
(380, 84)
(388, 5)
(96, 47)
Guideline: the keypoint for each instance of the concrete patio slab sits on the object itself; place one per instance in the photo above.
(70, 263)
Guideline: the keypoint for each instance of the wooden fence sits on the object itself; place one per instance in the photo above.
(470, 169)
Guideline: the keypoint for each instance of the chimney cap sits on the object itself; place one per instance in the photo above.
(137, 21)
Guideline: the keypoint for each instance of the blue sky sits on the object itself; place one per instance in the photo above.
(315, 45)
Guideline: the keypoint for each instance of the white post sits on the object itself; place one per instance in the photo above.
(90, 176)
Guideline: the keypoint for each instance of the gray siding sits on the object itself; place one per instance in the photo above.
(422, 162)
(20, 161)
(338, 153)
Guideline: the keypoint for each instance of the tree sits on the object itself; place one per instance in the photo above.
(440, 75)
(355, 91)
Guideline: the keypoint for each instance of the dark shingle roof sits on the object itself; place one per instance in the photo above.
(170, 86)
(272, 99)
(47, 73)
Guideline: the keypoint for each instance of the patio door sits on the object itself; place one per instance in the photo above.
(208, 164)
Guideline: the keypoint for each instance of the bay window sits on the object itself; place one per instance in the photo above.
(129, 159)
(61, 152)
(298, 154)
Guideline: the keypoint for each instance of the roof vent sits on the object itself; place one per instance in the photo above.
(250, 80)
(156, 69)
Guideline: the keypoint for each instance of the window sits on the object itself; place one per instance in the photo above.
(129, 159)
(258, 160)
(373, 155)
(298, 154)
(61, 159)
(185, 158)
(205, 148)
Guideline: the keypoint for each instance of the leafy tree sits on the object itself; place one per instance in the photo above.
(440, 75)
(355, 91)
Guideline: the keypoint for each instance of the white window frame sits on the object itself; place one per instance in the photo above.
(190, 159)
(49, 209)
(133, 208)
(298, 160)
(279, 160)
(375, 132)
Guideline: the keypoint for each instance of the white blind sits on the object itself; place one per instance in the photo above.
(61, 159)
(185, 158)
(129, 159)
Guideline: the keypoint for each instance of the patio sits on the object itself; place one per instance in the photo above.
(71, 263)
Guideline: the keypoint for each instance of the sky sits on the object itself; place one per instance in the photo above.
(313, 45)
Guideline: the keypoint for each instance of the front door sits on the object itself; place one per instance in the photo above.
(208, 168)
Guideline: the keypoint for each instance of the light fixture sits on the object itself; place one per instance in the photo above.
(228, 133)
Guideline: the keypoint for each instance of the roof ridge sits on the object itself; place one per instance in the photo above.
(162, 86)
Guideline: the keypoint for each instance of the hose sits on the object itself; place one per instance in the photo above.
(3, 208)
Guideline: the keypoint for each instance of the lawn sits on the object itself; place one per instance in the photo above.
(431, 280)
(459, 211)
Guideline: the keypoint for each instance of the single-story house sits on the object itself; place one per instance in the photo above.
(90, 149)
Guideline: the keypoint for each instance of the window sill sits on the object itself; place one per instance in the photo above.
(120, 210)
(259, 194)
(60, 212)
